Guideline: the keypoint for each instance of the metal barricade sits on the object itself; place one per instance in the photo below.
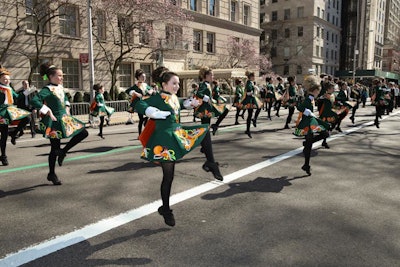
(81, 112)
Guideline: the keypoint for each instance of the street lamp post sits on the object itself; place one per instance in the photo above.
(90, 37)
(356, 44)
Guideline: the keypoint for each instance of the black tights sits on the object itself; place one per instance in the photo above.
(4, 134)
(101, 125)
(289, 117)
(268, 107)
(3, 140)
(249, 117)
(310, 139)
(56, 148)
(168, 169)
(221, 117)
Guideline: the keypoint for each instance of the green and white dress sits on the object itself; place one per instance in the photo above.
(8, 111)
(99, 106)
(309, 124)
(250, 100)
(207, 109)
(166, 140)
(53, 97)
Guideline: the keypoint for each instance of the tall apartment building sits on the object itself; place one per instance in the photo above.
(391, 49)
(301, 36)
(370, 39)
(201, 41)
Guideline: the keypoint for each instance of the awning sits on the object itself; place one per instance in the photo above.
(218, 73)
(367, 74)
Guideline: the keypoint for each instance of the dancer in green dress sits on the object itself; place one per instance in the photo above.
(9, 113)
(250, 102)
(99, 108)
(56, 122)
(239, 95)
(312, 128)
(165, 140)
(208, 107)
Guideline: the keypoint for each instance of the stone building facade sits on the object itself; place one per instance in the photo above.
(65, 41)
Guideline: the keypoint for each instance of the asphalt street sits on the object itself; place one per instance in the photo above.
(267, 212)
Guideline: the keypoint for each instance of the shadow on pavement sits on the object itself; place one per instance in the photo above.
(260, 184)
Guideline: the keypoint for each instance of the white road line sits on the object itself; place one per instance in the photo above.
(60, 242)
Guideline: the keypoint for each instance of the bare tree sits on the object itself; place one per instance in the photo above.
(36, 18)
(136, 30)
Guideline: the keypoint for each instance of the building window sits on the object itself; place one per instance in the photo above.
(101, 25)
(197, 41)
(327, 35)
(147, 70)
(173, 36)
(144, 33)
(286, 14)
(37, 80)
(274, 16)
(262, 2)
(262, 17)
(36, 16)
(317, 50)
(233, 10)
(318, 12)
(193, 5)
(70, 69)
(212, 8)
(286, 52)
(125, 75)
(286, 70)
(126, 29)
(299, 50)
(274, 52)
(299, 31)
(210, 42)
(274, 1)
(287, 33)
(274, 34)
(69, 20)
(299, 70)
(300, 12)
(246, 15)
(318, 31)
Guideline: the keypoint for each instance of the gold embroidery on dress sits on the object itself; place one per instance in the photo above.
(58, 91)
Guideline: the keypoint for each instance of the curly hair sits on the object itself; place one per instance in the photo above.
(204, 71)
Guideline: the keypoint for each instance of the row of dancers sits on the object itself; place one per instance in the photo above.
(164, 139)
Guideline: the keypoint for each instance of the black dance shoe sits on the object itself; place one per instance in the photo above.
(61, 157)
(254, 122)
(4, 160)
(101, 136)
(352, 119)
(307, 169)
(214, 128)
(248, 134)
(237, 123)
(54, 179)
(325, 144)
(339, 129)
(286, 126)
(213, 167)
(168, 216)
(14, 139)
